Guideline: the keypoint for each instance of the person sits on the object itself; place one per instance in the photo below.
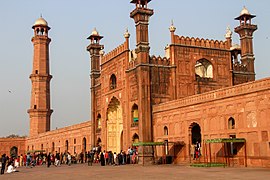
(16, 163)
(81, 157)
(69, 159)
(110, 158)
(102, 159)
(106, 155)
(198, 146)
(28, 160)
(115, 158)
(21, 160)
(49, 160)
(11, 168)
(3, 162)
(57, 159)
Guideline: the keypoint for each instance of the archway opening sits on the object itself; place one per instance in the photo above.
(99, 142)
(84, 144)
(231, 123)
(135, 114)
(166, 131)
(195, 133)
(98, 148)
(66, 145)
(14, 152)
(99, 121)
(114, 125)
(204, 68)
(135, 138)
(113, 82)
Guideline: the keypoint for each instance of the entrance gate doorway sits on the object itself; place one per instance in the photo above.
(195, 139)
(114, 126)
(195, 133)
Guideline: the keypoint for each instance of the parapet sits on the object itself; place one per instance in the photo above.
(202, 43)
(112, 54)
(160, 61)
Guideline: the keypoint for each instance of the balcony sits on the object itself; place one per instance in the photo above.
(98, 130)
(135, 124)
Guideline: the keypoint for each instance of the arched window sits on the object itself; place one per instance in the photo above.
(204, 68)
(166, 132)
(134, 113)
(113, 82)
(53, 147)
(231, 123)
(84, 144)
(99, 121)
(66, 145)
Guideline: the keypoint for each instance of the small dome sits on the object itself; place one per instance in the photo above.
(41, 21)
(95, 33)
(126, 35)
(228, 32)
(172, 27)
(244, 11)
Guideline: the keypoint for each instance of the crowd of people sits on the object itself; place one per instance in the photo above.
(10, 164)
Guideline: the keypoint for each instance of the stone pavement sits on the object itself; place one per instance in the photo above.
(130, 172)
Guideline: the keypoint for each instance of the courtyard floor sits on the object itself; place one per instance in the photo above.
(82, 171)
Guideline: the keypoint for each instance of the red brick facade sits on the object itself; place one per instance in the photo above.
(71, 139)
(247, 104)
(200, 90)
(9, 144)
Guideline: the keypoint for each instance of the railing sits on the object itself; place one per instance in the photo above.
(98, 130)
(135, 124)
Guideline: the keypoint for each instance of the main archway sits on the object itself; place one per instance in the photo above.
(114, 125)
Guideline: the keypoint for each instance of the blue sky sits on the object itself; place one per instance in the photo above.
(71, 23)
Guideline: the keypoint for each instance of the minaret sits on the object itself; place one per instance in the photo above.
(40, 110)
(141, 15)
(94, 49)
(245, 31)
(173, 60)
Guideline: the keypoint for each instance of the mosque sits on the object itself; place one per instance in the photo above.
(203, 91)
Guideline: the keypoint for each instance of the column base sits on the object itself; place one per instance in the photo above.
(146, 155)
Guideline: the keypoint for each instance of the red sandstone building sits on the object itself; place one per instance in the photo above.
(202, 90)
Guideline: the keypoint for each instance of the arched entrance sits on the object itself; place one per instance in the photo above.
(195, 133)
(14, 152)
(99, 142)
(135, 138)
(98, 147)
(114, 125)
